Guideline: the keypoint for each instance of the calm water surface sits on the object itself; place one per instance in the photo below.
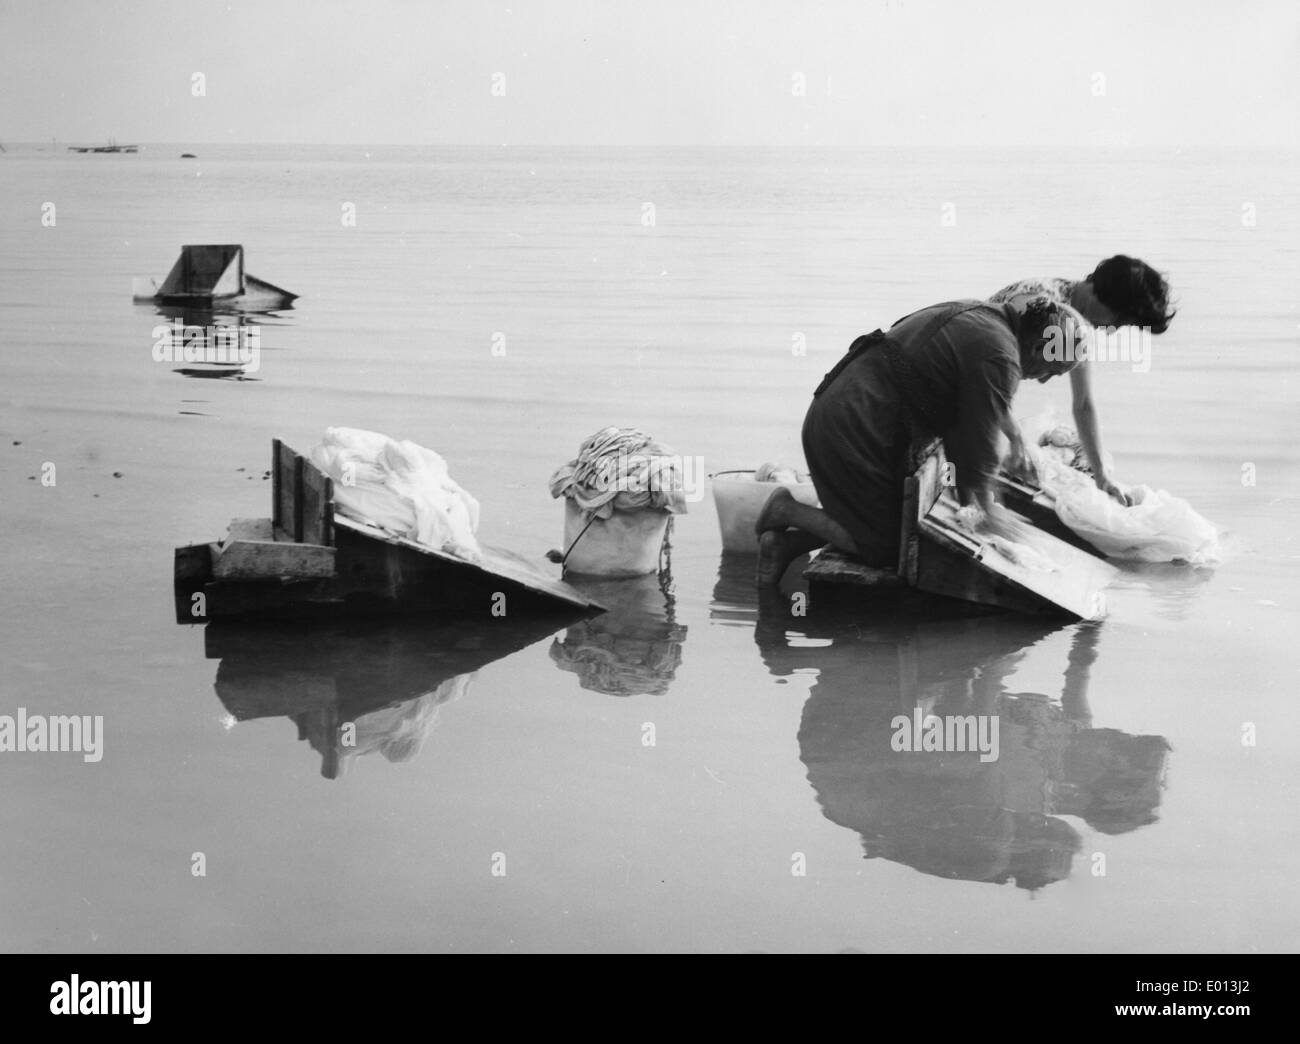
(1124, 813)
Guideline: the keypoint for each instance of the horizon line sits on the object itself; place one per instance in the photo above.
(1280, 147)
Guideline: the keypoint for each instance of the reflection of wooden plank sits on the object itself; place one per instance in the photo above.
(957, 563)
(231, 598)
(908, 671)
(269, 694)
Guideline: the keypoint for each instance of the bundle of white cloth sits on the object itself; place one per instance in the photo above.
(621, 469)
(400, 487)
(1156, 527)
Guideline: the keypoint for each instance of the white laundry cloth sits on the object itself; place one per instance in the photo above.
(401, 487)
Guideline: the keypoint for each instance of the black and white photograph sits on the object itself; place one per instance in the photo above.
(675, 477)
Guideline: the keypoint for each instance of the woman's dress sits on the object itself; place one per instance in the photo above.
(948, 370)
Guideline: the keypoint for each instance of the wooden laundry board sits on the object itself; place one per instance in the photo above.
(939, 557)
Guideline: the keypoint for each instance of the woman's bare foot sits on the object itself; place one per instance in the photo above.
(775, 512)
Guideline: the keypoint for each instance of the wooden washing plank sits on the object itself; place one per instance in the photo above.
(286, 471)
(1027, 491)
(496, 565)
(1039, 507)
(971, 566)
(302, 498)
(272, 559)
(929, 482)
(945, 568)
(275, 483)
(251, 552)
(317, 505)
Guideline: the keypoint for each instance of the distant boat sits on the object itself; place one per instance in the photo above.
(212, 276)
(112, 146)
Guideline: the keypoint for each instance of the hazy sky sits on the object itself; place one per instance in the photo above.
(654, 72)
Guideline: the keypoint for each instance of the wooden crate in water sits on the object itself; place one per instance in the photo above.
(308, 560)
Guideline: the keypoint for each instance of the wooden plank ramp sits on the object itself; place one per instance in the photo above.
(1038, 573)
(1053, 577)
(1038, 505)
(400, 570)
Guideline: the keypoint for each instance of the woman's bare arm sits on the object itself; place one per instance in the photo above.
(1088, 426)
(1019, 463)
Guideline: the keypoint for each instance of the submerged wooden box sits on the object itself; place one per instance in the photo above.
(211, 275)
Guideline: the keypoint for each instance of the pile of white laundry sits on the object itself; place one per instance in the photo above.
(400, 487)
(621, 469)
(1157, 527)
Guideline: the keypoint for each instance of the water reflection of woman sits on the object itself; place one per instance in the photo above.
(950, 814)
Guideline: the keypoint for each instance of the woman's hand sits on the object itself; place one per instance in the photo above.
(986, 517)
(1004, 523)
(1112, 490)
(1020, 464)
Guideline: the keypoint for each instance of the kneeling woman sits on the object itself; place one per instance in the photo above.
(949, 370)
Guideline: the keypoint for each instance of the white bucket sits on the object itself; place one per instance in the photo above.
(739, 498)
(625, 544)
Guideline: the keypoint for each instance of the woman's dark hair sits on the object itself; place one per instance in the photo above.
(1134, 290)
